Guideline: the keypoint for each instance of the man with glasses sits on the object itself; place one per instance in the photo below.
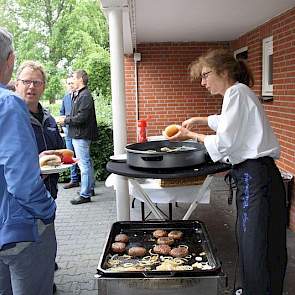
(30, 85)
(27, 235)
(65, 110)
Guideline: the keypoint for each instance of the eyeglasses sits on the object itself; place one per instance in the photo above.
(36, 83)
(205, 75)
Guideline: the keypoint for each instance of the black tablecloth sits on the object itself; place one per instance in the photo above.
(121, 168)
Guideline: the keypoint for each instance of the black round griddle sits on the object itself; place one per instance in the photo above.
(122, 168)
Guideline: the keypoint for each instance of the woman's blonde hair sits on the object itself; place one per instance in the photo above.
(221, 60)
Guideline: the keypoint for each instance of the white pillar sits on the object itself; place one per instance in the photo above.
(118, 106)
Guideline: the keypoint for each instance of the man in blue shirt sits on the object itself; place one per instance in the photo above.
(65, 110)
(27, 235)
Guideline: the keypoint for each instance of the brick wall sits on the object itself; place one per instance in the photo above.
(166, 92)
(164, 88)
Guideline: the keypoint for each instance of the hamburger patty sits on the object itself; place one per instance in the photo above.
(179, 252)
(162, 249)
(158, 233)
(175, 234)
(121, 238)
(136, 251)
(165, 241)
(118, 247)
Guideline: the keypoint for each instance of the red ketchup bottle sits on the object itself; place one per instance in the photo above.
(141, 131)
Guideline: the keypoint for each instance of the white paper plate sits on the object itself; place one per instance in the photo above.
(57, 169)
(119, 158)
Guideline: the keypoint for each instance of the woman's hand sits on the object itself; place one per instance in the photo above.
(181, 135)
(185, 134)
(194, 120)
(188, 123)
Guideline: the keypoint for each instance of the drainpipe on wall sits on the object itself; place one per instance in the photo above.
(137, 58)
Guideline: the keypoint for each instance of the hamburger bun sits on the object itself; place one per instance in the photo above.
(49, 160)
(65, 152)
(171, 130)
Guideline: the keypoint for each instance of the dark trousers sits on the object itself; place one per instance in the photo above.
(261, 227)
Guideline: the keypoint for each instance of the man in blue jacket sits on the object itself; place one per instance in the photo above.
(30, 85)
(27, 211)
(65, 110)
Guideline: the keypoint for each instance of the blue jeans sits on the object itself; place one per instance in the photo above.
(32, 270)
(82, 149)
(69, 145)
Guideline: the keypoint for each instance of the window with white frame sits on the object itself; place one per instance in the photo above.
(241, 53)
(267, 67)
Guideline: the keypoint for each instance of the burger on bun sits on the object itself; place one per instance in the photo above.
(171, 130)
(49, 160)
(66, 156)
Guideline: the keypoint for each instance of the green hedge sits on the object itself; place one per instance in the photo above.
(100, 151)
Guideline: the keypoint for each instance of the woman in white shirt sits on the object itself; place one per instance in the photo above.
(244, 138)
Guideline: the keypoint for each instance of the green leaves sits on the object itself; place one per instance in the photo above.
(101, 150)
(63, 35)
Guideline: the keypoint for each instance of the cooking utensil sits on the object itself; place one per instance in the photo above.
(165, 154)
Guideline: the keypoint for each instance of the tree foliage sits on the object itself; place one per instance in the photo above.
(64, 35)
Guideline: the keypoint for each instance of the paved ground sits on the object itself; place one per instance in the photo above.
(82, 231)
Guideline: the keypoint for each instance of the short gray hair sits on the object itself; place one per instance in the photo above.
(6, 46)
(33, 65)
